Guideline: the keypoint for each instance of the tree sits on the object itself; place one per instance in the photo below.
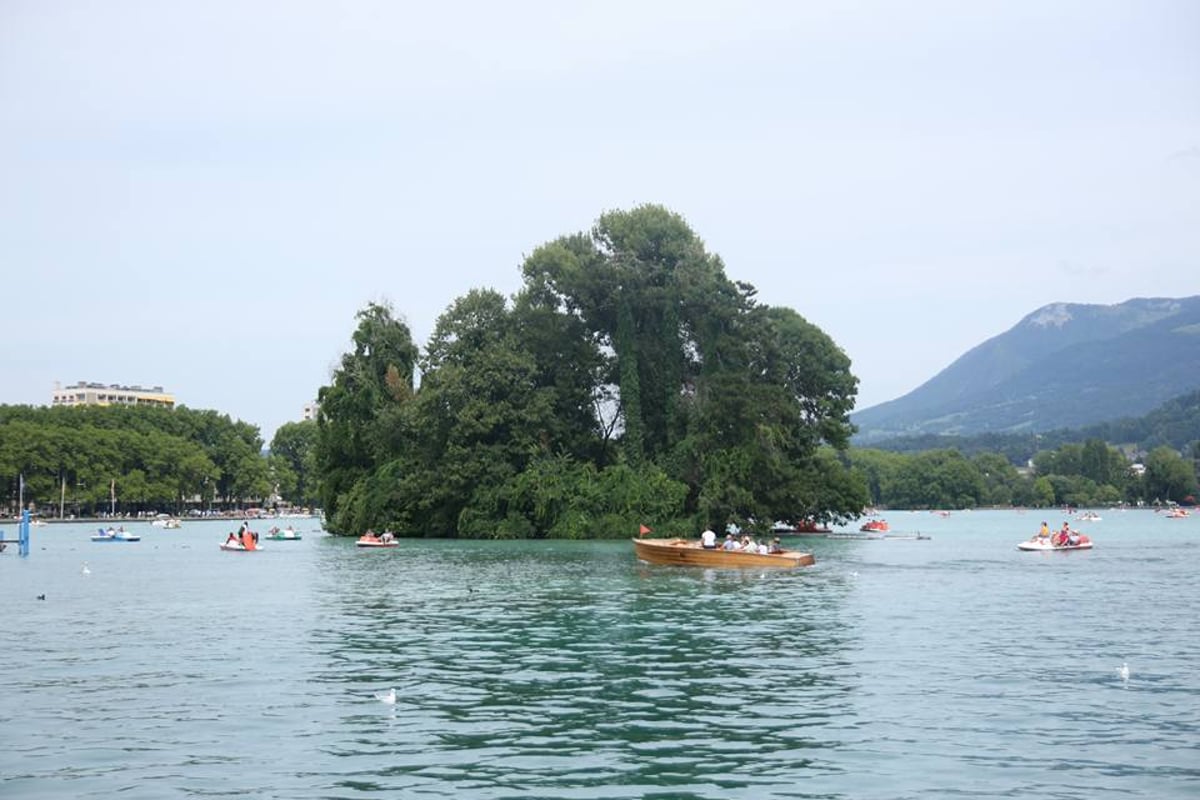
(295, 445)
(1168, 476)
(733, 398)
(628, 357)
(355, 420)
(160, 459)
(1002, 482)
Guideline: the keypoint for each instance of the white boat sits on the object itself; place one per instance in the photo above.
(238, 547)
(285, 535)
(118, 535)
(163, 521)
(1044, 545)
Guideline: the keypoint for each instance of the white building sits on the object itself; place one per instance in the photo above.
(100, 394)
(310, 410)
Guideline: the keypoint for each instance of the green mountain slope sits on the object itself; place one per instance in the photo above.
(1176, 424)
(1063, 366)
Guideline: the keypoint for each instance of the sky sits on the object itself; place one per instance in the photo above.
(201, 195)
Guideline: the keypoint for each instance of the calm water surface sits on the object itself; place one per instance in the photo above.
(954, 667)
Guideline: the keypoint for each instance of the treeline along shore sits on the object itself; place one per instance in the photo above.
(629, 381)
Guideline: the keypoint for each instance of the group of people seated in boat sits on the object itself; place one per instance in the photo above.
(746, 544)
(372, 536)
(1064, 537)
(244, 536)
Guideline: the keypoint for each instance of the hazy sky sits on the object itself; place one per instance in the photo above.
(200, 195)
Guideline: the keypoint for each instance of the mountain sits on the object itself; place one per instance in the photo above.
(1175, 424)
(1063, 366)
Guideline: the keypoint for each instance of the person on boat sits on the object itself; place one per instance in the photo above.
(1044, 533)
(748, 544)
(775, 548)
(762, 548)
(708, 539)
(232, 538)
(388, 536)
(730, 542)
(370, 536)
(1064, 535)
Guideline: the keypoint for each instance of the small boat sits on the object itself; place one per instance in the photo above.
(1044, 545)
(238, 547)
(119, 535)
(874, 526)
(1089, 516)
(373, 540)
(169, 523)
(288, 534)
(246, 542)
(691, 554)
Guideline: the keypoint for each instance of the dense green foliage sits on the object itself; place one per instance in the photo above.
(628, 381)
(152, 458)
(293, 463)
(1089, 474)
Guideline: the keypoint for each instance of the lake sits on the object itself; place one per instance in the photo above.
(954, 666)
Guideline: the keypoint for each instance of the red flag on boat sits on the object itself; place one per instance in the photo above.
(643, 530)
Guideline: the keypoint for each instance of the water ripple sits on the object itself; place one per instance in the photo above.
(951, 667)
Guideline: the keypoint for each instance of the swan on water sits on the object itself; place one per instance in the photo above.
(388, 697)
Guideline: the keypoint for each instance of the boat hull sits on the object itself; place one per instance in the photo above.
(691, 554)
(116, 538)
(238, 548)
(1047, 547)
(361, 543)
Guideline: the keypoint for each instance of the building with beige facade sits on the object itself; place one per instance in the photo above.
(100, 394)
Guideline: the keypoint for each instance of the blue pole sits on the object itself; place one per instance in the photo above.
(23, 534)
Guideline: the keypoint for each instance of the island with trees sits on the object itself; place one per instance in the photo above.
(629, 380)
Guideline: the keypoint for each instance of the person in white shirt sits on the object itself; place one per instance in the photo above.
(730, 542)
(708, 539)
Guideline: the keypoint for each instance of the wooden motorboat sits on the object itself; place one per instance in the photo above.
(691, 554)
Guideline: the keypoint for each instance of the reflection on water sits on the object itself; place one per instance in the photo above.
(565, 669)
(536, 668)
